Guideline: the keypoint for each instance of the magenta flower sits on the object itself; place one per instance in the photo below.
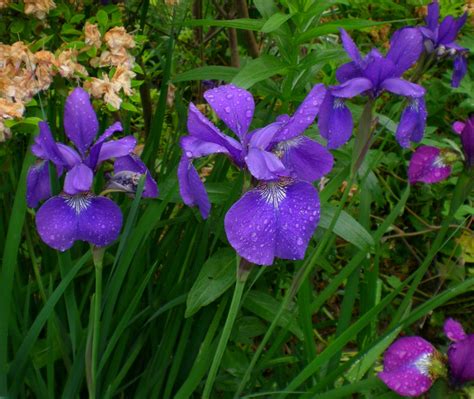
(370, 76)
(466, 131)
(460, 354)
(428, 165)
(76, 213)
(440, 40)
(407, 366)
(278, 217)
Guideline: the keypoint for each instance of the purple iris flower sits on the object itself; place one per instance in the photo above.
(460, 353)
(278, 217)
(432, 165)
(440, 40)
(76, 213)
(466, 131)
(428, 165)
(371, 75)
(408, 366)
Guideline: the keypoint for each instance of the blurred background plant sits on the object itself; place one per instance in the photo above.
(167, 282)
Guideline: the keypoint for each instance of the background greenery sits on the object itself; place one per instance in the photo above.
(315, 328)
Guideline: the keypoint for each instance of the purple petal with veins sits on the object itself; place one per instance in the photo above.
(275, 219)
(64, 219)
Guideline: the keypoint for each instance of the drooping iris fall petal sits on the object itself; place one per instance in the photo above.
(64, 219)
(407, 365)
(427, 166)
(275, 219)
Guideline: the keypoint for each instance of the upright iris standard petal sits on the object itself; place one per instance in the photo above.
(335, 122)
(191, 188)
(80, 120)
(351, 48)
(460, 360)
(427, 166)
(467, 140)
(100, 222)
(449, 28)
(275, 219)
(38, 186)
(412, 123)
(407, 364)
(433, 16)
(235, 106)
(202, 128)
(454, 330)
(78, 179)
(304, 115)
(460, 70)
(111, 149)
(132, 163)
(64, 219)
(305, 158)
(406, 47)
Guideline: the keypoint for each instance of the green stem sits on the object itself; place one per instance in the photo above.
(242, 275)
(98, 255)
(301, 276)
(463, 188)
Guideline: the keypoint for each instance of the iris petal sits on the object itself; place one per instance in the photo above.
(407, 366)
(335, 122)
(100, 222)
(304, 115)
(412, 123)
(38, 186)
(459, 70)
(191, 188)
(235, 106)
(453, 330)
(133, 163)
(275, 219)
(264, 165)
(202, 128)
(56, 223)
(80, 120)
(78, 179)
(307, 159)
(406, 47)
(426, 166)
(62, 220)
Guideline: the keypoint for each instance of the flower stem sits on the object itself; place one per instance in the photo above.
(242, 274)
(363, 138)
(98, 255)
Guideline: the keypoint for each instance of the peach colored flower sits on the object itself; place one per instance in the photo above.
(92, 34)
(39, 8)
